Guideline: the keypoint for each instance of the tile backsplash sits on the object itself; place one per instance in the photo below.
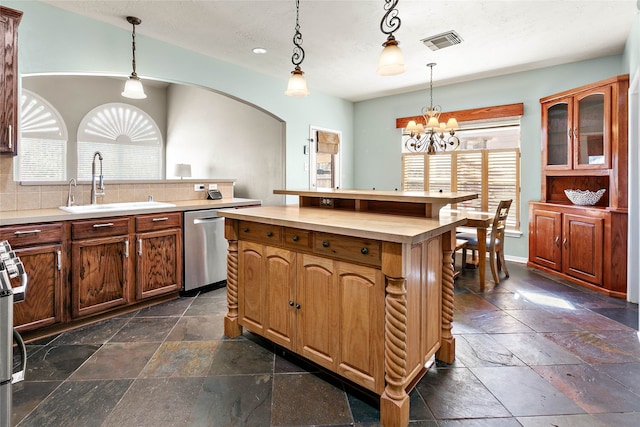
(16, 196)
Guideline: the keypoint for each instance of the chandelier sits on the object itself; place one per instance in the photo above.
(297, 84)
(391, 60)
(433, 136)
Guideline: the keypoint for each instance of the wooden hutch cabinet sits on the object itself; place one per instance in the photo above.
(584, 146)
(9, 20)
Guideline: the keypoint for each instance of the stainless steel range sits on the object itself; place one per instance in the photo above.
(10, 268)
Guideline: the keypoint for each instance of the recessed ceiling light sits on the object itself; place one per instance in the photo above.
(259, 50)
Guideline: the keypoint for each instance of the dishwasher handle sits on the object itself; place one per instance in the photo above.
(206, 220)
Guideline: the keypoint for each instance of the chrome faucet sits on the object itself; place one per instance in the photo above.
(94, 193)
(70, 198)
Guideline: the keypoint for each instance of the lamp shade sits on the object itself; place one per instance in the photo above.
(183, 170)
(133, 89)
(391, 61)
(297, 84)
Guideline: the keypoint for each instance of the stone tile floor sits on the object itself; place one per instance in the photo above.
(532, 351)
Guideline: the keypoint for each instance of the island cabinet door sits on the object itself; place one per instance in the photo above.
(280, 276)
(583, 247)
(361, 313)
(317, 311)
(251, 286)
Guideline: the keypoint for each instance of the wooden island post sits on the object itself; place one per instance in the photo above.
(359, 282)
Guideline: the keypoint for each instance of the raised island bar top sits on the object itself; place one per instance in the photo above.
(365, 293)
(408, 203)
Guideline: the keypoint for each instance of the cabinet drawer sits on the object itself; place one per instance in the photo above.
(348, 248)
(29, 235)
(158, 221)
(297, 239)
(264, 233)
(99, 228)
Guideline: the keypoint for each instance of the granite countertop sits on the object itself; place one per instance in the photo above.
(390, 228)
(54, 214)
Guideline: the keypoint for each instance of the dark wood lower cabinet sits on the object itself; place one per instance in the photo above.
(100, 277)
(582, 244)
(42, 305)
(158, 263)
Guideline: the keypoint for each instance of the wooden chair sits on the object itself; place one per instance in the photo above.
(495, 242)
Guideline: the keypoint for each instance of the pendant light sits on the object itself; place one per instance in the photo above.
(297, 85)
(391, 60)
(133, 86)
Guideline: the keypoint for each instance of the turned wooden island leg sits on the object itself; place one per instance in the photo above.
(232, 328)
(447, 351)
(394, 402)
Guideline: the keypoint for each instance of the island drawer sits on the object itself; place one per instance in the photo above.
(159, 221)
(294, 238)
(263, 233)
(99, 228)
(348, 248)
(28, 235)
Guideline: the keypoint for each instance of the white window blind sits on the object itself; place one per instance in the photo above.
(124, 135)
(43, 143)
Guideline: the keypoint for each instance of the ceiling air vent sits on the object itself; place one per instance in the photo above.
(440, 41)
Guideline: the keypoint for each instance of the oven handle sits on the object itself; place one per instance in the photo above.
(19, 376)
(20, 291)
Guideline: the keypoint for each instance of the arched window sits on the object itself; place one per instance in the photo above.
(42, 155)
(124, 135)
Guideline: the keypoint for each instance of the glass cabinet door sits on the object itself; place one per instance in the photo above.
(558, 145)
(590, 136)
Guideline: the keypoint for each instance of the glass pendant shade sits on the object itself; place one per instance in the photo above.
(133, 89)
(391, 61)
(297, 84)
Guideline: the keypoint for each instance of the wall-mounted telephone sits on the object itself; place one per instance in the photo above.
(214, 195)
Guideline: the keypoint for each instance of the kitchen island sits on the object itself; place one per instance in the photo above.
(350, 282)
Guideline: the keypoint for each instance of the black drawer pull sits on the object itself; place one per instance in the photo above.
(325, 244)
(364, 251)
(246, 229)
(298, 306)
(295, 238)
(291, 303)
(269, 234)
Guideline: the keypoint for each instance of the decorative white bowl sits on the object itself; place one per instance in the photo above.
(584, 197)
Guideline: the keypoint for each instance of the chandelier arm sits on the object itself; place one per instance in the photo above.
(390, 21)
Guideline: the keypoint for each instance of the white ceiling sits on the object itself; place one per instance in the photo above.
(342, 39)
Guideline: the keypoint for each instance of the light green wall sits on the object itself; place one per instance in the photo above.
(377, 142)
(52, 40)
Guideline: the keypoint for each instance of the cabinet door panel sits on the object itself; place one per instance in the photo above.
(280, 296)
(251, 289)
(361, 303)
(42, 305)
(583, 247)
(158, 265)
(318, 314)
(556, 126)
(544, 239)
(100, 275)
(591, 129)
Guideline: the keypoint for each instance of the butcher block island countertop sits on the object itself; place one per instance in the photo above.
(354, 285)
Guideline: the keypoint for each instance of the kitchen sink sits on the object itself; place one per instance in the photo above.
(107, 207)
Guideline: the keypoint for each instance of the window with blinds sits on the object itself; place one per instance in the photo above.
(488, 163)
(43, 142)
(124, 134)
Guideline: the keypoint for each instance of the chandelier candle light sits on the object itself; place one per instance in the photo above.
(297, 84)
(434, 131)
(391, 60)
(133, 86)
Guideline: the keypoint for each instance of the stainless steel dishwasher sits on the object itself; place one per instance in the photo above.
(205, 249)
